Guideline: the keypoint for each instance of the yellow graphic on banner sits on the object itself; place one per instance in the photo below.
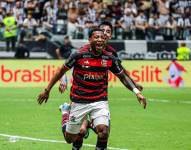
(37, 73)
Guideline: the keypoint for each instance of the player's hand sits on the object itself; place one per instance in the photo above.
(62, 87)
(139, 87)
(43, 97)
(142, 100)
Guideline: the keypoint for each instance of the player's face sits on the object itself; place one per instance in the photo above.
(107, 32)
(97, 41)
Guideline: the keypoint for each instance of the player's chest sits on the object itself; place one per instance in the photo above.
(94, 63)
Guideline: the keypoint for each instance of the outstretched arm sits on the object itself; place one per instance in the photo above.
(130, 84)
(43, 97)
(138, 86)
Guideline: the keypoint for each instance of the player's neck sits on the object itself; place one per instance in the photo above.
(95, 53)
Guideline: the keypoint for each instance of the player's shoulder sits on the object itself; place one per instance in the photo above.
(110, 48)
(84, 49)
(110, 51)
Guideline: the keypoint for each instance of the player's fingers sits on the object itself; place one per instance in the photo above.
(40, 99)
(60, 89)
(141, 88)
(144, 103)
(46, 99)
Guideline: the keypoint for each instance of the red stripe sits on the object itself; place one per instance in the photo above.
(89, 97)
(95, 62)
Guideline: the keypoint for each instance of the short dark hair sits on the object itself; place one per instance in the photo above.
(106, 23)
(91, 31)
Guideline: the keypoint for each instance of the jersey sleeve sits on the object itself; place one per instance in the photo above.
(114, 52)
(116, 67)
(72, 59)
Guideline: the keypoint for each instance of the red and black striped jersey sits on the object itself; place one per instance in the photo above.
(90, 75)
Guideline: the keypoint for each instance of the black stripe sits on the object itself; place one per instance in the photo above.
(87, 101)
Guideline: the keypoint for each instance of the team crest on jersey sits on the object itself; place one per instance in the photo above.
(104, 63)
(86, 62)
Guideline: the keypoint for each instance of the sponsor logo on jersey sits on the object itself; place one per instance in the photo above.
(93, 76)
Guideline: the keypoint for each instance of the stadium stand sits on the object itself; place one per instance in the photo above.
(132, 19)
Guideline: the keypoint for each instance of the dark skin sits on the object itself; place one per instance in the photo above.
(97, 43)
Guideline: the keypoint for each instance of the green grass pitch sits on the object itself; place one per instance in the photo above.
(164, 125)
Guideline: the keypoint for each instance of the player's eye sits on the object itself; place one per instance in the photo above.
(108, 31)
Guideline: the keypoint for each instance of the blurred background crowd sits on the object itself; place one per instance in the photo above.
(132, 19)
(22, 20)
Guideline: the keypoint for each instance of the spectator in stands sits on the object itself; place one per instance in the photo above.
(18, 10)
(60, 16)
(153, 27)
(105, 10)
(116, 10)
(170, 29)
(30, 24)
(9, 5)
(22, 51)
(10, 31)
(50, 14)
(80, 24)
(187, 24)
(88, 25)
(127, 24)
(183, 52)
(91, 12)
(29, 6)
(98, 5)
(145, 6)
(72, 20)
(163, 10)
(180, 28)
(131, 6)
(65, 49)
(2, 4)
(140, 26)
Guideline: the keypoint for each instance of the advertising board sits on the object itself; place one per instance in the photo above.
(37, 73)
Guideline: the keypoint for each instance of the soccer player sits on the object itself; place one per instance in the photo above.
(89, 88)
(107, 29)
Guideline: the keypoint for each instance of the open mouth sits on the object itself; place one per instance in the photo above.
(99, 45)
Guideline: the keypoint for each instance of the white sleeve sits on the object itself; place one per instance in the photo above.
(64, 79)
